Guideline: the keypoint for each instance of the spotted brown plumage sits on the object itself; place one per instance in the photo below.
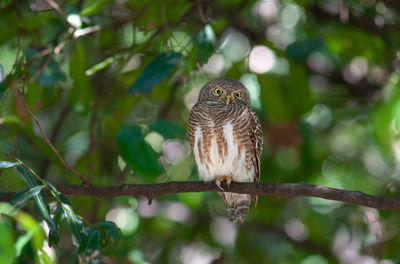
(227, 140)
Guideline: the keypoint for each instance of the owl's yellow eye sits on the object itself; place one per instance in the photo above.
(218, 91)
(238, 94)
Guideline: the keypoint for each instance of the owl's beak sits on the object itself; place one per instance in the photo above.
(228, 98)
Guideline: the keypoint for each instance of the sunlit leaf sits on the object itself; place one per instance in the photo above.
(155, 72)
(137, 153)
(350, 42)
(6, 241)
(8, 164)
(32, 227)
(103, 64)
(386, 116)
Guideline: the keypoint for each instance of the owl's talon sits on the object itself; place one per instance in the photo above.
(219, 185)
(219, 180)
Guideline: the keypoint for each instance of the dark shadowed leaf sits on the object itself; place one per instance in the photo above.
(81, 94)
(91, 241)
(91, 7)
(2, 88)
(96, 261)
(111, 232)
(75, 224)
(299, 50)
(4, 3)
(2, 75)
(155, 72)
(21, 243)
(19, 199)
(206, 44)
(168, 129)
(273, 99)
(137, 153)
(41, 205)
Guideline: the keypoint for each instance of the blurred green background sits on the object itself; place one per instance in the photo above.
(112, 84)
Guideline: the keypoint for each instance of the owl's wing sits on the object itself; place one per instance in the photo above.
(256, 137)
(194, 119)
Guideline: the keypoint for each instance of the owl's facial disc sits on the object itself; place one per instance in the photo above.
(227, 99)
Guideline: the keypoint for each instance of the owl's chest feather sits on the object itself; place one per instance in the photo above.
(219, 152)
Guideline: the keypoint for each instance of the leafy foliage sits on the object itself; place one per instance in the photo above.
(112, 84)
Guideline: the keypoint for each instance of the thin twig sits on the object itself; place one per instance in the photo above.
(22, 96)
(54, 135)
(285, 190)
(58, 9)
(200, 11)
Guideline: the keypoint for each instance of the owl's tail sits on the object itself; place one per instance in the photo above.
(237, 205)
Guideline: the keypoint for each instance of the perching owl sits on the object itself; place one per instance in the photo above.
(227, 140)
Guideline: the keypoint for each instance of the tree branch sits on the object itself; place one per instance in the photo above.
(286, 190)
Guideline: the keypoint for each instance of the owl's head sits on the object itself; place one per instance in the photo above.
(225, 91)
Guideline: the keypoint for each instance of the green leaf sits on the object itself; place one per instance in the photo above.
(81, 93)
(112, 233)
(168, 129)
(8, 25)
(350, 42)
(272, 98)
(6, 241)
(2, 76)
(32, 226)
(32, 22)
(59, 195)
(206, 44)
(91, 7)
(40, 205)
(103, 64)
(155, 72)
(91, 242)
(21, 242)
(74, 223)
(20, 198)
(386, 115)
(137, 153)
(286, 98)
(7, 209)
(8, 164)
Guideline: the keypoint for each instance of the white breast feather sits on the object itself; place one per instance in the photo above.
(232, 165)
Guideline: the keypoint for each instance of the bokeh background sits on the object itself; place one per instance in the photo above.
(112, 84)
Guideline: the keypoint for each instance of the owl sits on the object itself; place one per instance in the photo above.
(227, 140)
